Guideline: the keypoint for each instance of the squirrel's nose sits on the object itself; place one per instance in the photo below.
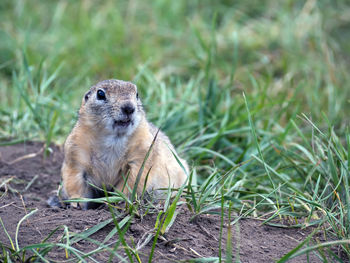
(128, 109)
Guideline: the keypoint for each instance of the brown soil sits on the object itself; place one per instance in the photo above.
(35, 178)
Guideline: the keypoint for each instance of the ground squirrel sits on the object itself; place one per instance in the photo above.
(110, 140)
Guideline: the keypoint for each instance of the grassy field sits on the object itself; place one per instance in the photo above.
(254, 94)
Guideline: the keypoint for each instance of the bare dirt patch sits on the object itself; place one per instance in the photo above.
(35, 177)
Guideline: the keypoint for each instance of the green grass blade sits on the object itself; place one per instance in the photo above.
(158, 226)
(298, 252)
(7, 234)
(19, 224)
(139, 174)
(258, 146)
(114, 230)
(293, 252)
(88, 232)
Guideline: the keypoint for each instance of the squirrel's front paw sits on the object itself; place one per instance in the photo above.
(54, 201)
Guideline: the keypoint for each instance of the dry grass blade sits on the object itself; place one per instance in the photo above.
(27, 156)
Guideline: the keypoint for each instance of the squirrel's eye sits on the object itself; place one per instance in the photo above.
(101, 95)
(137, 95)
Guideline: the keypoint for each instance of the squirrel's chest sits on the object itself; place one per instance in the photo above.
(108, 160)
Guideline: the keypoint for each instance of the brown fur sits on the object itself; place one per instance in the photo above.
(100, 152)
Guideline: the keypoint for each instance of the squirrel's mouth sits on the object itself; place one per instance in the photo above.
(122, 123)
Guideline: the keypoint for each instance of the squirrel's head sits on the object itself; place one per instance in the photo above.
(112, 106)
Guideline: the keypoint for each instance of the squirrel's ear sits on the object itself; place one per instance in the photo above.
(87, 95)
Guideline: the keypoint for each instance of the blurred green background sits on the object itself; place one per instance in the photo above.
(291, 54)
